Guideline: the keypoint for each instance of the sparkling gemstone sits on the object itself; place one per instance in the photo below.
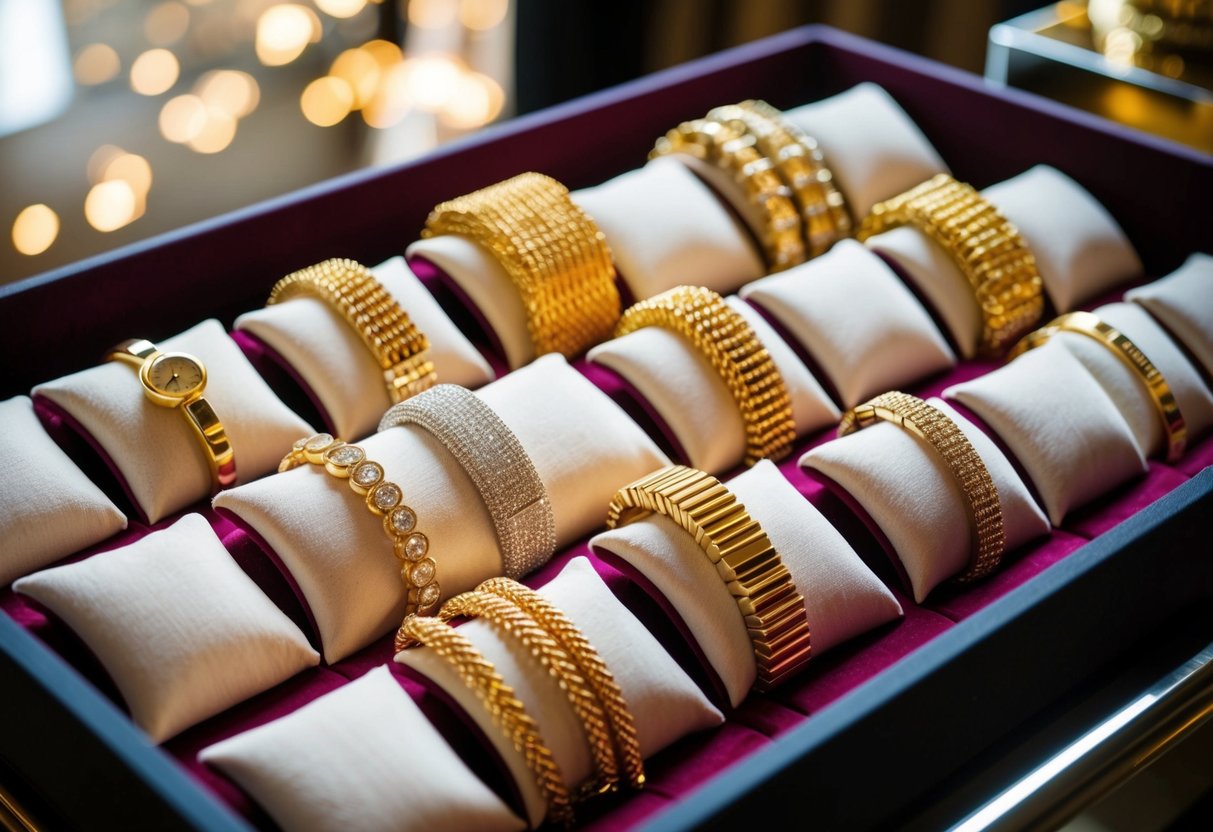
(345, 455)
(415, 546)
(386, 495)
(402, 520)
(299, 443)
(428, 595)
(367, 474)
(319, 442)
(423, 572)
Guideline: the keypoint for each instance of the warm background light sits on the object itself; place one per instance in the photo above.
(433, 14)
(234, 92)
(432, 80)
(166, 23)
(284, 31)
(35, 229)
(132, 169)
(96, 64)
(359, 69)
(341, 8)
(482, 14)
(154, 72)
(216, 134)
(110, 205)
(100, 160)
(391, 102)
(476, 101)
(182, 118)
(326, 101)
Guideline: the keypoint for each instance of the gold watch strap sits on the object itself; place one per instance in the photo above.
(1089, 324)
(770, 605)
(132, 351)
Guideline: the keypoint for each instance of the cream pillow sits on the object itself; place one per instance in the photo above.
(1183, 303)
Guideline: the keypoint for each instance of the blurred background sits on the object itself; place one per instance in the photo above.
(121, 119)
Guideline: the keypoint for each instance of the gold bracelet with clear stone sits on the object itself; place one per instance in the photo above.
(350, 288)
(384, 499)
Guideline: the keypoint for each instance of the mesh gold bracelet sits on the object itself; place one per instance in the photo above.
(553, 252)
(732, 347)
(987, 249)
(932, 426)
(384, 499)
(506, 709)
(498, 465)
(1089, 324)
(350, 288)
(771, 607)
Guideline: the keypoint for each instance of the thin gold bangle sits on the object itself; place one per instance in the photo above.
(1163, 399)
(772, 608)
(505, 708)
(732, 347)
(935, 428)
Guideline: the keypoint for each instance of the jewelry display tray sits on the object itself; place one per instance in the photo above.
(923, 732)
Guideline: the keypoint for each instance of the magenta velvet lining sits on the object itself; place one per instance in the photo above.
(283, 379)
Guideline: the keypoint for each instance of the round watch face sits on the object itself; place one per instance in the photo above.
(176, 374)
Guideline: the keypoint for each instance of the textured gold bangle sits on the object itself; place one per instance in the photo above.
(591, 664)
(799, 160)
(987, 248)
(1089, 324)
(384, 499)
(552, 251)
(730, 344)
(772, 608)
(506, 709)
(402, 350)
(734, 152)
(933, 426)
(513, 620)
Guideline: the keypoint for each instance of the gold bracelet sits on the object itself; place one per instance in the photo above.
(799, 160)
(732, 347)
(510, 618)
(552, 251)
(1089, 324)
(591, 664)
(987, 248)
(773, 610)
(384, 499)
(506, 709)
(932, 425)
(351, 289)
(733, 151)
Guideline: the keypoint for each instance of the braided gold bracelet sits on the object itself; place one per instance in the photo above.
(770, 605)
(733, 151)
(352, 290)
(799, 160)
(591, 664)
(732, 347)
(935, 428)
(384, 499)
(506, 709)
(987, 249)
(1089, 324)
(552, 251)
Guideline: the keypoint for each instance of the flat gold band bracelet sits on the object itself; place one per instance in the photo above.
(552, 251)
(351, 289)
(384, 499)
(987, 249)
(771, 607)
(506, 709)
(732, 347)
(1089, 324)
(933, 426)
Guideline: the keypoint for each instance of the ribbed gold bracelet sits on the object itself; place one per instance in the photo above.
(733, 151)
(506, 709)
(351, 289)
(732, 347)
(384, 499)
(936, 429)
(987, 249)
(771, 607)
(591, 664)
(1089, 324)
(552, 251)
(799, 160)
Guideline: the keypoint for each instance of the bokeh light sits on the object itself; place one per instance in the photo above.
(284, 31)
(110, 205)
(433, 14)
(96, 64)
(359, 69)
(326, 101)
(431, 80)
(35, 229)
(166, 23)
(234, 92)
(482, 14)
(182, 118)
(216, 134)
(154, 72)
(100, 161)
(132, 169)
(477, 100)
(391, 102)
(341, 8)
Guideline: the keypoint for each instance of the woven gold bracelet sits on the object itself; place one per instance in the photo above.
(935, 428)
(552, 251)
(384, 499)
(351, 289)
(1089, 324)
(771, 607)
(988, 250)
(730, 344)
(506, 709)
(733, 151)
(799, 160)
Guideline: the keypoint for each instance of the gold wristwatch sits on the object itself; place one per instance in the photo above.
(177, 379)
